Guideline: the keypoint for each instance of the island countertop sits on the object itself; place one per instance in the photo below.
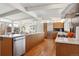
(67, 40)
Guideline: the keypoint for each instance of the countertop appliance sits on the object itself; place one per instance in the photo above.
(19, 46)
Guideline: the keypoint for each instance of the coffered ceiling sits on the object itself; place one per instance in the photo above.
(37, 11)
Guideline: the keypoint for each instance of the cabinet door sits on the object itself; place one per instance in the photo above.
(6, 47)
(0, 47)
(58, 25)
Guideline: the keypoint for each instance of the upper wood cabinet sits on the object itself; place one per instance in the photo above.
(58, 25)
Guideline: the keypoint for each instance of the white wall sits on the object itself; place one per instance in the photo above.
(50, 26)
(39, 27)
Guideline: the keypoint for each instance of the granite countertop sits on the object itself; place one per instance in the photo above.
(34, 33)
(12, 36)
(67, 40)
(18, 35)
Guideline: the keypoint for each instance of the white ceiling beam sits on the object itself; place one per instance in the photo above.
(52, 6)
(21, 8)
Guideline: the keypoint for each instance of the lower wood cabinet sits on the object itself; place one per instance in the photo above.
(63, 49)
(0, 47)
(6, 47)
(33, 40)
(52, 35)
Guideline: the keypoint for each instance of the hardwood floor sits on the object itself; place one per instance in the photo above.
(46, 48)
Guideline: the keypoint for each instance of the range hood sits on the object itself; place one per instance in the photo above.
(71, 11)
(76, 14)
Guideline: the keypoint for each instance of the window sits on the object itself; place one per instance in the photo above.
(5, 20)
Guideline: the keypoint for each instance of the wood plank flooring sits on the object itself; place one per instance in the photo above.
(46, 48)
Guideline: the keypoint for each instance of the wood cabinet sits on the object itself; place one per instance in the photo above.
(33, 39)
(63, 49)
(58, 25)
(52, 35)
(0, 46)
(6, 47)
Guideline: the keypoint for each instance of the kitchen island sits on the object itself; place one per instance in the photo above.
(67, 46)
(9, 43)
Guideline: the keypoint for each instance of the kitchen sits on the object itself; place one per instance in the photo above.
(39, 29)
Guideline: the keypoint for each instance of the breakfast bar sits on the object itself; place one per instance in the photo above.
(67, 46)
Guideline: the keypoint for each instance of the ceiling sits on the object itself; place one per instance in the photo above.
(37, 11)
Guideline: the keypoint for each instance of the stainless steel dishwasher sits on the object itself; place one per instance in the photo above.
(18, 46)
